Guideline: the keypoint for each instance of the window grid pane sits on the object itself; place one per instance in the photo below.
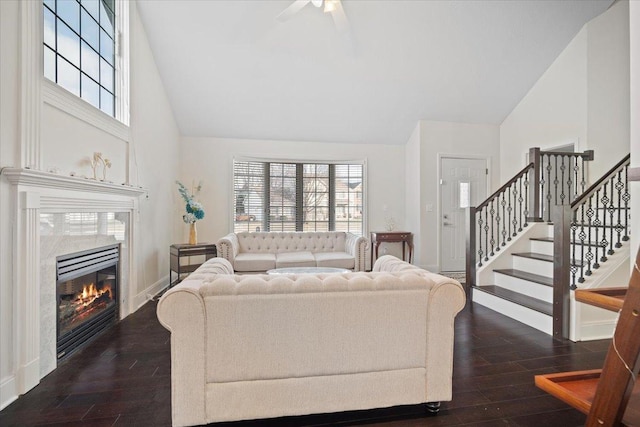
(315, 200)
(248, 184)
(282, 197)
(73, 31)
(49, 64)
(349, 198)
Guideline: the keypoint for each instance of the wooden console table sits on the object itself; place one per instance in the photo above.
(404, 237)
(179, 251)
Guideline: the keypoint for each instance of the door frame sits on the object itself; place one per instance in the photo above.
(440, 157)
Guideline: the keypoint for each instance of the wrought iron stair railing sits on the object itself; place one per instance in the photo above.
(586, 233)
(561, 178)
(486, 223)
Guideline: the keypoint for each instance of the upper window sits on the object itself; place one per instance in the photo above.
(277, 196)
(79, 49)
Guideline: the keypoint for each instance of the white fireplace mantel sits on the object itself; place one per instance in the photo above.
(36, 178)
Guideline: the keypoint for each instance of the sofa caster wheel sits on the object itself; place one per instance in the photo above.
(433, 408)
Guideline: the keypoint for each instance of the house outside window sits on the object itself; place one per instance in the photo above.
(286, 196)
(79, 50)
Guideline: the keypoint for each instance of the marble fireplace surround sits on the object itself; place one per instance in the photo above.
(35, 193)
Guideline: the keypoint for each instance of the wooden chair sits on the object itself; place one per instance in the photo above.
(609, 396)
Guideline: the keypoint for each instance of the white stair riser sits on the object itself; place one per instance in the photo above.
(546, 248)
(534, 266)
(525, 287)
(541, 247)
(549, 230)
(522, 314)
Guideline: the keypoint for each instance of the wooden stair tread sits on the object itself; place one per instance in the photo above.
(536, 278)
(542, 239)
(542, 257)
(534, 255)
(550, 240)
(608, 298)
(578, 389)
(518, 298)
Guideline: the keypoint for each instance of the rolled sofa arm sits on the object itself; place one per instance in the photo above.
(446, 299)
(357, 247)
(181, 310)
(212, 266)
(228, 247)
(392, 264)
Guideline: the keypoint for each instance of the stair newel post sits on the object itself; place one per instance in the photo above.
(470, 216)
(534, 184)
(562, 216)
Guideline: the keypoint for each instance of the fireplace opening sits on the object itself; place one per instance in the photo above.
(87, 295)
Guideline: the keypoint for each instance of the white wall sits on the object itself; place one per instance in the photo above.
(154, 161)
(553, 113)
(608, 87)
(72, 153)
(210, 160)
(447, 138)
(582, 98)
(150, 159)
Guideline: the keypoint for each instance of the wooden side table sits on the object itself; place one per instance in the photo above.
(182, 250)
(404, 237)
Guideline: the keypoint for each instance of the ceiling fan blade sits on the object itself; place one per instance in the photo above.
(339, 17)
(292, 10)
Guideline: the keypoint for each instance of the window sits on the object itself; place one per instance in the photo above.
(79, 49)
(279, 196)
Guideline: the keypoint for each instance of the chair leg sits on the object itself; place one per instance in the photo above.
(433, 407)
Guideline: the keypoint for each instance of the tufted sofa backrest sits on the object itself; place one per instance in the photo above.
(262, 284)
(279, 242)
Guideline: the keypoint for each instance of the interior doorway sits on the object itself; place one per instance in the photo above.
(463, 183)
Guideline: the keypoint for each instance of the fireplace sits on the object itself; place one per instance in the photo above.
(87, 296)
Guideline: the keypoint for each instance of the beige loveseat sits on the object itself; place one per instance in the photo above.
(259, 252)
(260, 346)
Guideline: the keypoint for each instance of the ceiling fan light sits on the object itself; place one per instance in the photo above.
(329, 6)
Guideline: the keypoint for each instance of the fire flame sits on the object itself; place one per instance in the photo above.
(90, 293)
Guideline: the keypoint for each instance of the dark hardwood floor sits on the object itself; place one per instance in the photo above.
(123, 379)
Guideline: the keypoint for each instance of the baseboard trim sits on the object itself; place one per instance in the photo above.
(597, 330)
(8, 391)
(147, 295)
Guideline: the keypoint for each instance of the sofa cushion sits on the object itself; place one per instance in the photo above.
(335, 259)
(295, 259)
(254, 262)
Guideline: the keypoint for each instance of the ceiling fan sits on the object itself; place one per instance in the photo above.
(334, 7)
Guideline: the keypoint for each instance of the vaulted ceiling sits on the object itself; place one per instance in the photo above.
(231, 69)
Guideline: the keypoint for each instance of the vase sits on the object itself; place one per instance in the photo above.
(193, 234)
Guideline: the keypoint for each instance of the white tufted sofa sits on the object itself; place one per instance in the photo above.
(258, 346)
(257, 252)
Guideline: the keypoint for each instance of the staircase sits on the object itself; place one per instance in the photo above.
(519, 260)
(520, 284)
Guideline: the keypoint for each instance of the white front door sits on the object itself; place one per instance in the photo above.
(463, 183)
